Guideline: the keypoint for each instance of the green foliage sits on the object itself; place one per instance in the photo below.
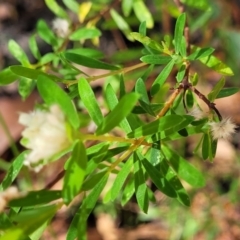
(138, 128)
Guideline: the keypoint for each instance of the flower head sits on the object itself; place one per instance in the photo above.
(45, 135)
(197, 113)
(60, 27)
(223, 129)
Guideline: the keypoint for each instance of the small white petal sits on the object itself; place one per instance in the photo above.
(46, 135)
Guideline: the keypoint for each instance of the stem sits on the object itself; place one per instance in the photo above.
(169, 103)
(113, 139)
(93, 78)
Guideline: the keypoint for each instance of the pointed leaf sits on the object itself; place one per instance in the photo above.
(225, 92)
(56, 9)
(161, 183)
(128, 191)
(178, 32)
(75, 173)
(53, 94)
(184, 169)
(34, 47)
(87, 96)
(121, 178)
(122, 109)
(7, 77)
(156, 59)
(200, 53)
(162, 77)
(88, 62)
(217, 88)
(84, 33)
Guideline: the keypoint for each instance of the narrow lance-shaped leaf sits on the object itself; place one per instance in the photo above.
(112, 102)
(34, 47)
(142, 13)
(172, 178)
(34, 198)
(75, 173)
(123, 108)
(161, 183)
(121, 23)
(56, 9)
(217, 88)
(88, 62)
(147, 41)
(53, 94)
(18, 53)
(156, 59)
(85, 33)
(87, 96)
(200, 53)
(183, 168)
(225, 92)
(162, 77)
(13, 171)
(121, 178)
(128, 190)
(140, 184)
(217, 65)
(73, 5)
(178, 32)
(127, 7)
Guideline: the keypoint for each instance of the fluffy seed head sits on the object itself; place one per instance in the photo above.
(223, 129)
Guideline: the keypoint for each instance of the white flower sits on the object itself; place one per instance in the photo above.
(45, 135)
(197, 113)
(223, 129)
(60, 27)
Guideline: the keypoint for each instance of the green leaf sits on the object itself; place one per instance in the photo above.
(121, 23)
(161, 183)
(47, 58)
(143, 28)
(162, 77)
(122, 110)
(128, 191)
(88, 62)
(73, 5)
(143, 13)
(121, 178)
(85, 33)
(218, 66)
(189, 99)
(147, 41)
(112, 102)
(183, 47)
(34, 47)
(53, 94)
(178, 32)
(140, 88)
(92, 180)
(225, 92)
(56, 9)
(87, 96)
(25, 87)
(217, 88)
(200, 53)
(36, 197)
(88, 52)
(181, 73)
(156, 59)
(18, 53)
(140, 185)
(46, 33)
(13, 171)
(205, 146)
(32, 73)
(172, 178)
(75, 173)
(183, 168)
(201, 4)
(167, 125)
(127, 7)
(29, 221)
(7, 77)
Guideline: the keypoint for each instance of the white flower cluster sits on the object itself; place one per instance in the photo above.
(60, 27)
(45, 135)
(223, 129)
(197, 113)
(7, 195)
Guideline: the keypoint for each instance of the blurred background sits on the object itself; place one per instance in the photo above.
(215, 209)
